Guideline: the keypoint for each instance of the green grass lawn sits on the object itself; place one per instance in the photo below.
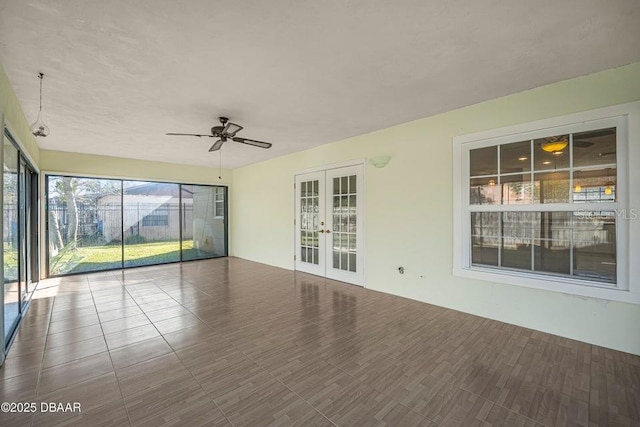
(10, 263)
(108, 257)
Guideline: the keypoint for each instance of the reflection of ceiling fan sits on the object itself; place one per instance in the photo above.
(228, 130)
(556, 144)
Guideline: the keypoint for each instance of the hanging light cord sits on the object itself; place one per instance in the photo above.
(40, 76)
(220, 163)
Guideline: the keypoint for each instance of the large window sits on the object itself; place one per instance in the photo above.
(101, 224)
(545, 207)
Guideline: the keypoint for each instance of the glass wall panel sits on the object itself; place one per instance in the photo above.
(203, 225)
(105, 224)
(84, 222)
(151, 223)
(10, 239)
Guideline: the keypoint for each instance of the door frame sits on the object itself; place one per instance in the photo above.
(322, 168)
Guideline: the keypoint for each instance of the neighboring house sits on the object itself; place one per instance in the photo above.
(152, 211)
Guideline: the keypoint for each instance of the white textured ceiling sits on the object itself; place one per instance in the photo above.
(119, 74)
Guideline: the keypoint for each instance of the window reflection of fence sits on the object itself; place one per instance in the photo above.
(102, 224)
(559, 230)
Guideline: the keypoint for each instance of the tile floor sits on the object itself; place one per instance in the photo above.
(232, 342)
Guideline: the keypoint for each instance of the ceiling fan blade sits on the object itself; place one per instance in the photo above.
(582, 144)
(216, 145)
(189, 134)
(231, 129)
(252, 142)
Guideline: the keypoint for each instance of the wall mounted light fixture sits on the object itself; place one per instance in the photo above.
(380, 161)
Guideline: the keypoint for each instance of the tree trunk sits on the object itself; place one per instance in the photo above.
(72, 210)
(55, 237)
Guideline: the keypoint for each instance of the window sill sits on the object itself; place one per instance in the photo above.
(581, 288)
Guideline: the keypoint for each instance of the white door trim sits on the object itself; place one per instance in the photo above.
(363, 204)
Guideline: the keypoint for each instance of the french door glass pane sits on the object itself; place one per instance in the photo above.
(10, 239)
(84, 224)
(309, 221)
(203, 222)
(151, 223)
(344, 222)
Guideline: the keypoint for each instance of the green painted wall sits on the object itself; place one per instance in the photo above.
(15, 119)
(409, 211)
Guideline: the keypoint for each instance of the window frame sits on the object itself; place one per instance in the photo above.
(626, 119)
(217, 201)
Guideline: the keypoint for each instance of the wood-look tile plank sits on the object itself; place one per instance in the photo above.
(228, 340)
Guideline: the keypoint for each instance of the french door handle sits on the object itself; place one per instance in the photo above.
(327, 231)
(320, 231)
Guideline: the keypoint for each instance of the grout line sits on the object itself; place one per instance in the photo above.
(172, 349)
(109, 353)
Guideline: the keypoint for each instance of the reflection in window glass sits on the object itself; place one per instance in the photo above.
(516, 189)
(551, 187)
(484, 191)
(483, 161)
(593, 148)
(522, 177)
(485, 238)
(594, 186)
(515, 157)
(517, 230)
(551, 152)
(552, 241)
(594, 245)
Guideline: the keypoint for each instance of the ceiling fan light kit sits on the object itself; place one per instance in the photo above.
(228, 130)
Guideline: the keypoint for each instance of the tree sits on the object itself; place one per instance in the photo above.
(68, 189)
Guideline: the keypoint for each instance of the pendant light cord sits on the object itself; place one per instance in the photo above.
(40, 76)
(220, 163)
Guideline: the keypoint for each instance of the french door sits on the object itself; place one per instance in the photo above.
(328, 224)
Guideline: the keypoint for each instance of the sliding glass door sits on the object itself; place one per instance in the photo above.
(203, 222)
(151, 223)
(103, 224)
(85, 226)
(11, 239)
(19, 235)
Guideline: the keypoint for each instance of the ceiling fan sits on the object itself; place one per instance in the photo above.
(228, 130)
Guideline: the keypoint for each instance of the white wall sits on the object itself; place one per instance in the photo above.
(409, 219)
